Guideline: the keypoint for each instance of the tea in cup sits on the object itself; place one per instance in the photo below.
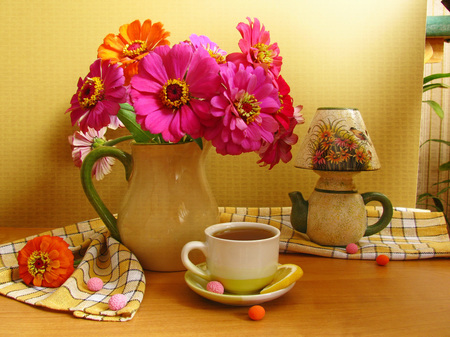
(243, 256)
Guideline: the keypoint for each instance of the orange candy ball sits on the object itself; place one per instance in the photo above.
(382, 260)
(256, 312)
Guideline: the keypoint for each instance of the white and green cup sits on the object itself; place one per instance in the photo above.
(243, 256)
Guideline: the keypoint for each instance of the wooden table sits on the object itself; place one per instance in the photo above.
(334, 298)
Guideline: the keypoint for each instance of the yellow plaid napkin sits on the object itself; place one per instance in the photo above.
(102, 257)
(412, 234)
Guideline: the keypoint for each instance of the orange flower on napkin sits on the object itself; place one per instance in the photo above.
(45, 261)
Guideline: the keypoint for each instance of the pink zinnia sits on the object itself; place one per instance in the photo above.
(172, 91)
(83, 143)
(211, 47)
(256, 48)
(245, 110)
(96, 102)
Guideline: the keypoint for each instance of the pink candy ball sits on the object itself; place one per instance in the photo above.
(352, 248)
(95, 284)
(117, 302)
(215, 287)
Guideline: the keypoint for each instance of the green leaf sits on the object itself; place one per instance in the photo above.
(445, 166)
(442, 182)
(434, 86)
(434, 77)
(438, 204)
(424, 196)
(127, 116)
(199, 142)
(126, 106)
(437, 201)
(443, 190)
(436, 107)
(437, 141)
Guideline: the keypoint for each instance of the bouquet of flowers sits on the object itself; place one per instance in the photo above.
(192, 91)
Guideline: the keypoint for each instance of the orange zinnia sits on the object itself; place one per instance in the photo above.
(132, 44)
(45, 261)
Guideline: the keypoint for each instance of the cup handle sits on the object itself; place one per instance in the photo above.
(385, 218)
(187, 262)
(89, 189)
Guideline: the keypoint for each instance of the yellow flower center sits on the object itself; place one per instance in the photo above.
(38, 263)
(280, 97)
(91, 92)
(264, 54)
(248, 108)
(175, 93)
(220, 59)
(334, 157)
(135, 48)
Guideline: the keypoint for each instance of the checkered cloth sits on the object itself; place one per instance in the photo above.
(411, 234)
(102, 257)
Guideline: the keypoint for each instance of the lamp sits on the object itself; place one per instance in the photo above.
(337, 147)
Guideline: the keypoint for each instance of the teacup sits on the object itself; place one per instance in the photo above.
(243, 256)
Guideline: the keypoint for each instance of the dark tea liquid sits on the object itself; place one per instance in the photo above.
(244, 234)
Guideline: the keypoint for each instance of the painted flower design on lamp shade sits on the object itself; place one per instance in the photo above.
(337, 142)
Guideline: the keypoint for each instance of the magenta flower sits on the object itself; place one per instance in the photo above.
(172, 91)
(98, 96)
(83, 143)
(211, 47)
(245, 110)
(256, 48)
(284, 139)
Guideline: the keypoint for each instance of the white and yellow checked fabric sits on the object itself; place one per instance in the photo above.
(101, 256)
(412, 234)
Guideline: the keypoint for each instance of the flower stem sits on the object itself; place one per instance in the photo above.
(118, 140)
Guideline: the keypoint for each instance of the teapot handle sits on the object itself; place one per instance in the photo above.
(89, 188)
(387, 211)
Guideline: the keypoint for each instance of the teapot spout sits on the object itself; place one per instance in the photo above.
(299, 213)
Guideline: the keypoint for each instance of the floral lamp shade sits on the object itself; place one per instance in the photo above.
(337, 140)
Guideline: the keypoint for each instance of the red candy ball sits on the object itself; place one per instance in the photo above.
(382, 260)
(256, 312)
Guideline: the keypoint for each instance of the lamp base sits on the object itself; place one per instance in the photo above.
(337, 213)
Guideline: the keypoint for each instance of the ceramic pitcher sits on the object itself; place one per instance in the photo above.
(167, 204)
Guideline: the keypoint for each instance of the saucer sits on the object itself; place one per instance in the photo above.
(198, 285)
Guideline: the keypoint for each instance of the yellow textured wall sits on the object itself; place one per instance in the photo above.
(365, 54)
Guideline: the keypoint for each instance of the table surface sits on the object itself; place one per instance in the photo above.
(334, 297)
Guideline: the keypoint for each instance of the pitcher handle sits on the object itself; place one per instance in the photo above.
(385, 218)
(89, 189)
